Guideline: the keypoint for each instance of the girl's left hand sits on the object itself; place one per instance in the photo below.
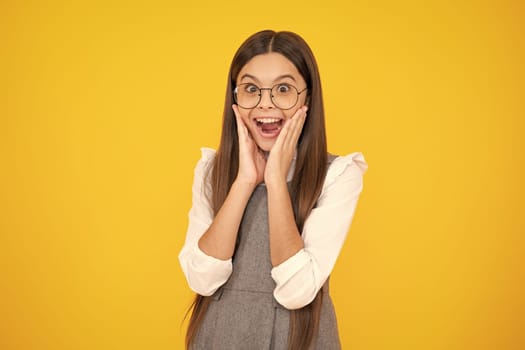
(283, 150)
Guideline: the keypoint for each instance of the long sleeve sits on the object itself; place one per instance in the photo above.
(299, 278)
(204, 273)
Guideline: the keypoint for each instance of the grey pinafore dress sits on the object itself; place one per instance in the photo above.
(243, 313)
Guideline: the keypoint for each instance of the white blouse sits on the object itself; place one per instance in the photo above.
(299, 278)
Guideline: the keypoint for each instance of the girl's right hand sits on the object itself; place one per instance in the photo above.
(251, 158)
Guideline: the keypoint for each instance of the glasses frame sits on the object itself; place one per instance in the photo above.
(271, 95)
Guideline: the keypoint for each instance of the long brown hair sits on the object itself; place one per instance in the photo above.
(310, 168)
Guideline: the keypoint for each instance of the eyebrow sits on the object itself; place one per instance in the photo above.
(280, 77)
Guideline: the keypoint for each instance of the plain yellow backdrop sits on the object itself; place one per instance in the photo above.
(104, 106)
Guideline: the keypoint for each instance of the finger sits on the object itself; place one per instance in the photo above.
(299, 126)
(300, 112)
(241, 128)
(296, 127)
(281, 139)
(237, 116)
(236, 110)
(291, 130)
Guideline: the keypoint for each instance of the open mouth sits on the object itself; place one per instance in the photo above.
(269, 127)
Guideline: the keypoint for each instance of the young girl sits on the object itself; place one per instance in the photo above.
(271, 208)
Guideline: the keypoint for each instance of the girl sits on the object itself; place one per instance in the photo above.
(271, 208)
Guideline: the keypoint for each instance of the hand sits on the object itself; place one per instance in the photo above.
(283, 150)
(251, 159)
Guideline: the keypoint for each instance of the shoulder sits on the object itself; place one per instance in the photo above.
(344, 178)
(352, 165)
(207, 154)
(207, 157)
(203, 166)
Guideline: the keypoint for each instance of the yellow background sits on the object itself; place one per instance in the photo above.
(104, 106)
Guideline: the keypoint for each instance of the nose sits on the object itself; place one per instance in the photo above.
(266, 99)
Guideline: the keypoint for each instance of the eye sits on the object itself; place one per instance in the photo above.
(283, 88)
(251, 89)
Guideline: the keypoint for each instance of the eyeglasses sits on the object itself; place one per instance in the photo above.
(283, 96)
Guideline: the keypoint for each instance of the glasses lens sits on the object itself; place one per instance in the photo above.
(247, 95)
(284, 96)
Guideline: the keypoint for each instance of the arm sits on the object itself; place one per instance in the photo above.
(299, 278)
(219, 240)
(203, 272)
(210, 242)
(285, 239)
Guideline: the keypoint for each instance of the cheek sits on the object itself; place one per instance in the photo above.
(303, 100)
(245, 115)
(289, 113)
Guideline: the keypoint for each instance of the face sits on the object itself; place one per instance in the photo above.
(265, 121)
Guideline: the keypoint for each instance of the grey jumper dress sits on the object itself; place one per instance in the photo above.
(243, 313)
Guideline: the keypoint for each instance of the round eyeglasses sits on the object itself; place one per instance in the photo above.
(283, 96)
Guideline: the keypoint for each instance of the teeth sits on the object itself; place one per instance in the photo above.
(267, 120)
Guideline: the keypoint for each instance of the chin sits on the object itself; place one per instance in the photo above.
(266, 146)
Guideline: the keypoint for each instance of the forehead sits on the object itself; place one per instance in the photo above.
(269, 67)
